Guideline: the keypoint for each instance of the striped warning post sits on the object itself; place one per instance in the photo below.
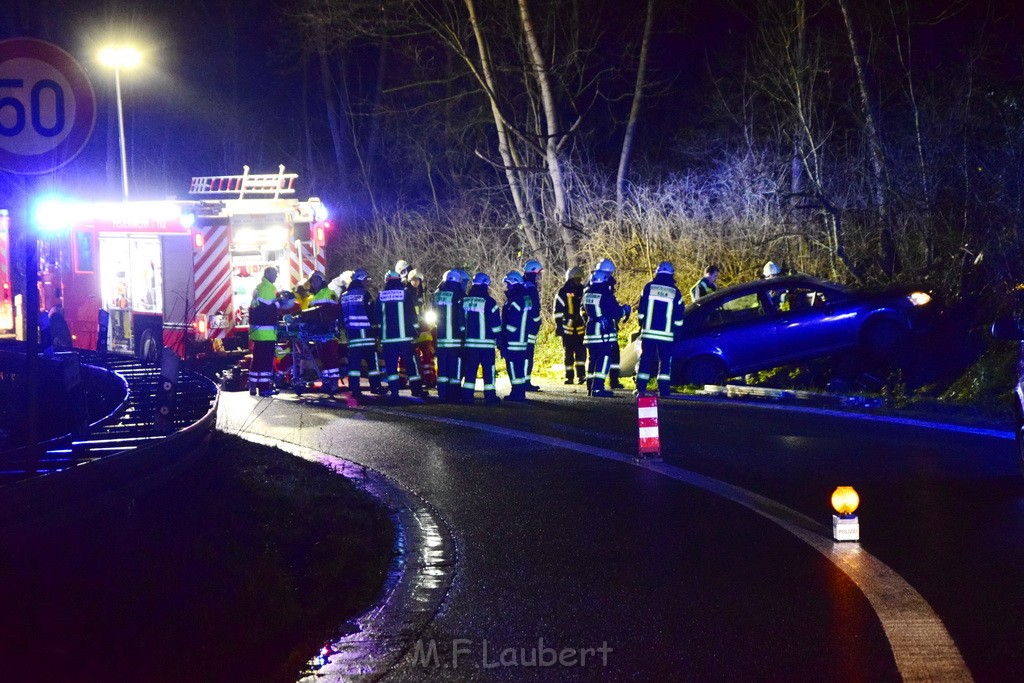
(213, 276)
(647, 420)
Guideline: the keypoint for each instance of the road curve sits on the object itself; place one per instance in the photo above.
(581, 553)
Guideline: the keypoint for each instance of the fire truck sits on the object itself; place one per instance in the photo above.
(135, 276)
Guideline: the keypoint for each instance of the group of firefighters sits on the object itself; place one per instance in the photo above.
(399, 330)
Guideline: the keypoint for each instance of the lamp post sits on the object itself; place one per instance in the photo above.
(121, 57)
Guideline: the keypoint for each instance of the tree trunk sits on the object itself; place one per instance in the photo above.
(512, 176)
(869, 111)
(552, 134)
(335, 120)
(634, 112)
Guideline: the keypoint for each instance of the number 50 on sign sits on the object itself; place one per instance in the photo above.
(47, 106)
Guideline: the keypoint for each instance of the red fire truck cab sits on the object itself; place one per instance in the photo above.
(180, 273)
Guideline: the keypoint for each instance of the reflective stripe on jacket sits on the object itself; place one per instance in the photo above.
(661, 309)
(483, 319)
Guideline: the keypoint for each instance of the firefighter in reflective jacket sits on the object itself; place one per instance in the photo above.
(359, 317)
(531, 284)
(602, 313)
(263, 334)
(326, 301)
(569, 325)
(706, 285)
(450, 331)
(660, 314)
(398, 327)
(483, 326)
(515, 318)
(608, 266)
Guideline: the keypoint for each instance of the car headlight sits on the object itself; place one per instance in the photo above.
(919, 298)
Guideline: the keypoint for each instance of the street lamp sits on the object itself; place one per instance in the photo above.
(121, 57)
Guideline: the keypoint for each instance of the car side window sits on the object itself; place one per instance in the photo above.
(737, 309)
(800, 299)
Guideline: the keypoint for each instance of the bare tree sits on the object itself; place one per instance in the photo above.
(634, 110)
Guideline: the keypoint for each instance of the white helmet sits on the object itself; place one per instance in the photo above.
(771, 269)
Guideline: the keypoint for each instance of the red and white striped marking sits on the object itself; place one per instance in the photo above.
(213, 275)
(647, 420)
(300, 270)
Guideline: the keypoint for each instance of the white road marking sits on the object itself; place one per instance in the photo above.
(922, 647)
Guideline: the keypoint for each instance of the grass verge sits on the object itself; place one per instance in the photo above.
(238, 570)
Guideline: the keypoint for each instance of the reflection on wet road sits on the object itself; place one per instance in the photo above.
(582, 553)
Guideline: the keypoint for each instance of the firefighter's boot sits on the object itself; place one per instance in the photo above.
(613, 379)
(416, 386)
(569, 376)
(598, 390)
(491, 397)
(467, 395)
(518, 393)
(664, 388)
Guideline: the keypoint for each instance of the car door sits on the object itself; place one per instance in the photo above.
(738, 330)
(812, 321)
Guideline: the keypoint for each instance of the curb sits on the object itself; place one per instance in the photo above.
(368, 646)
(791, 406)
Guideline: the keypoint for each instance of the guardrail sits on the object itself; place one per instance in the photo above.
(119, 453)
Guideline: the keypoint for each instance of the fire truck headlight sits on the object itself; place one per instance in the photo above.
(52, 215)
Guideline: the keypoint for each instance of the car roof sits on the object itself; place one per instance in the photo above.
(778, 282)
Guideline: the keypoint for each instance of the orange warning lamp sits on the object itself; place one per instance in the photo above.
(845, 500)
(198, 240)
(321, 233)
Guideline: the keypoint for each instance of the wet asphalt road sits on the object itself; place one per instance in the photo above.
(679, 583)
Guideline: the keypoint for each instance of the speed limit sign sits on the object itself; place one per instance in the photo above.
(47, 106)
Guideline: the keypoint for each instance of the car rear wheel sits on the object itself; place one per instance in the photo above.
(704, 370)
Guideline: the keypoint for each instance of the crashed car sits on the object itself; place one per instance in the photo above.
(781, 320)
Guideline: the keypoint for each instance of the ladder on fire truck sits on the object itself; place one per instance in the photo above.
(272, 184)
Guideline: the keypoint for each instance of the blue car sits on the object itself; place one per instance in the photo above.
(788, 319)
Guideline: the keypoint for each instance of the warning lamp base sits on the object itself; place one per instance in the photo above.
(845, 528)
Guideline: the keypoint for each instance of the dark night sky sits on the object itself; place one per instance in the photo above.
(177, 101)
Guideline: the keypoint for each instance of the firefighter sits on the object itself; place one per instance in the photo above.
(531, 286)
(515, 318)
(326, 301)
(660, 315)
(706, 284)
(483, 326)
(402, 268)
(602, 313)
(423, 345)
(770, 270)
(263, 334)
(608, 266)
(398, 325)
(359, 317)
(450, 331)
(569, 325)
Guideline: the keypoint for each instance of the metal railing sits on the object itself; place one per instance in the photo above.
(131, 426)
